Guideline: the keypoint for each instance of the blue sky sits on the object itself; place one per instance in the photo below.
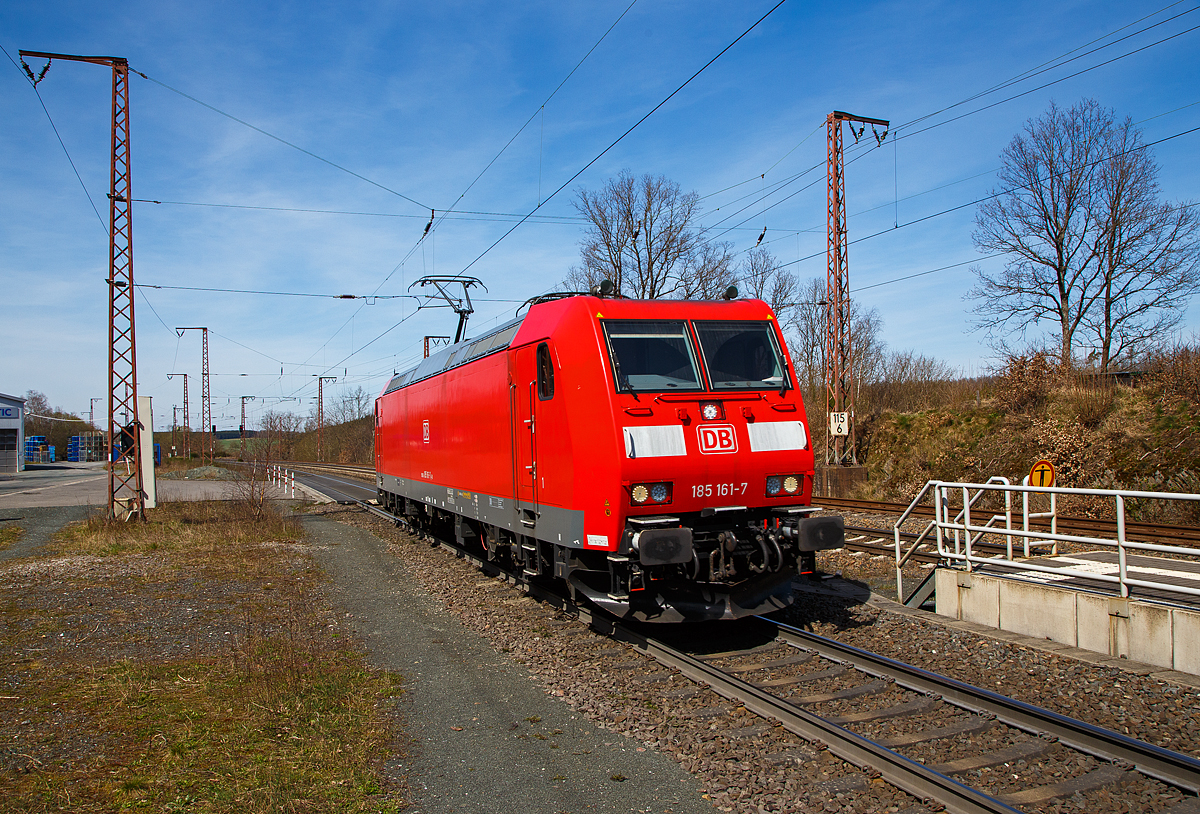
(419, 97)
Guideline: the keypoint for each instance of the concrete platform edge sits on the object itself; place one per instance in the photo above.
(1045, 645)
(1088, 626)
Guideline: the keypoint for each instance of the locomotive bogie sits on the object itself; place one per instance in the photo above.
(654, 455)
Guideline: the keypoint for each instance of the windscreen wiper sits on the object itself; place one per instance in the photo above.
(622, 379)
(783, 383)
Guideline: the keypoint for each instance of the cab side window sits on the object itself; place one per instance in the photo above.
(545, 373)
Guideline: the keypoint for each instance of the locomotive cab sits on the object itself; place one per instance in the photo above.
(653, 454)
(717, 475)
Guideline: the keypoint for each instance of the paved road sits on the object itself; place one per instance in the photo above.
(473, 714)
(61, 484)
(336, 487)
(71, 484)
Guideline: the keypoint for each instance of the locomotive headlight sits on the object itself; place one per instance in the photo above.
(642, 493)
(791, 484)
(774, 484)
(710, 411)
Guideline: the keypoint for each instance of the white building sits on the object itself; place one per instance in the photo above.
(12, 433)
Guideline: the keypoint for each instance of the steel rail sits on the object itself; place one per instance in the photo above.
(1174, 768)
(905, 773)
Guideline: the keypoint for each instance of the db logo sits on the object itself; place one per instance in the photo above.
(425, 431)
(717, 438)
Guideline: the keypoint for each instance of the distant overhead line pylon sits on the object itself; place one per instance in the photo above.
(207, 440)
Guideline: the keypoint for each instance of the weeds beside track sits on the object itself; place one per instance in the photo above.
(187, 662)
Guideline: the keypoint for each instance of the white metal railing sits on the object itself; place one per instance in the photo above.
(902, 556)
(957, 536)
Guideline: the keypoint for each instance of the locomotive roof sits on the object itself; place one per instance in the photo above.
(501, 337)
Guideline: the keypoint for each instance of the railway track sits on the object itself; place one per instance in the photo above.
(936, 738)
(1134, 530)
(881, 542)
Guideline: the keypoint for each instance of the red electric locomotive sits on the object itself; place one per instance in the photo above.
(654, 454)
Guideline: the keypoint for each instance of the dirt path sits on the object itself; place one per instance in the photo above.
(486, 738)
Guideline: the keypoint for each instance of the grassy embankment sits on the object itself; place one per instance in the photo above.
(187, 663)
(1097, 434)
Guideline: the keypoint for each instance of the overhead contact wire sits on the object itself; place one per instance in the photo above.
(1028, 74)
(541, 108)
(58, 135)
(621, 138)
(281, 140)
(924, 218)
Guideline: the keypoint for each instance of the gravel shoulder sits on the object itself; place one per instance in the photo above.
(485, 738)
(39, 524)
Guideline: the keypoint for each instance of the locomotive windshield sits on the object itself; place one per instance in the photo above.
(652, 356)
(741, 355)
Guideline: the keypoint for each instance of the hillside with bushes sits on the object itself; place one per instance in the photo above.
(1139, 432)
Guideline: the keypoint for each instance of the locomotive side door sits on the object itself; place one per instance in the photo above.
(523, 409)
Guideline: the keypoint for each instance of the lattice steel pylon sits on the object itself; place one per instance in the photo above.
(187, 418)
(126, 496)
(206, 438)
(242, 449)
(321, 413)
(840, 446)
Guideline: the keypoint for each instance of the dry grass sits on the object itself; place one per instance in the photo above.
(10, 535)
(176, 465)
(196, 669)
(1177, 372)
(1091, 405)
(1096, 432)
(216, 533)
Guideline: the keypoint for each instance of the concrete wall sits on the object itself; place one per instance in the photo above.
(837, 481)
(1123, 628)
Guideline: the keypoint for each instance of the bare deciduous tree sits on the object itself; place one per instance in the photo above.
(39, 417)
(805, 330)
(641, 236)
(279, 431)
(760, 276)
(905, 381)
(706, 273)
(350, 405)
(1148, 254)
(1044, 219)
(1091, 247)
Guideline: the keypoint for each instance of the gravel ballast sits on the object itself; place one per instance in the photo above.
(746, 764)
